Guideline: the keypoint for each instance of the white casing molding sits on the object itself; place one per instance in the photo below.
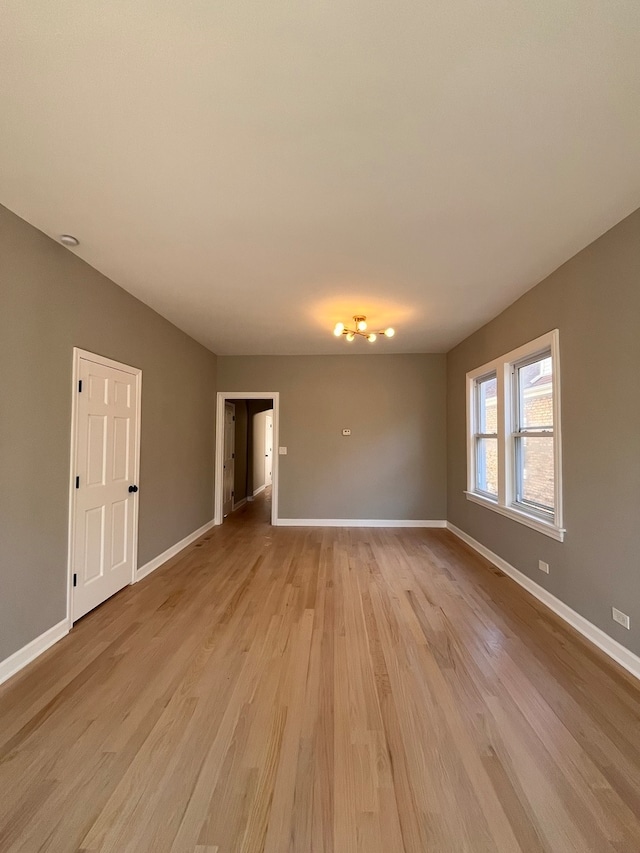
(358, 522)
(611, 647)
(15, 662)
(158, 561)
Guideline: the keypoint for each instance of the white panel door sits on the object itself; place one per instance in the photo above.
(268, 450)
(229, 457)
(105, 505)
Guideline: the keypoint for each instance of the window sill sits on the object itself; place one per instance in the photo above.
(539, 524)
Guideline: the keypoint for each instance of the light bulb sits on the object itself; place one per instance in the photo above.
(350, 336)
(371, 338)
(361, 325)
(339, 329)
(389, 332)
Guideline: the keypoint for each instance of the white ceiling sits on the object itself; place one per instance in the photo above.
(257, 171)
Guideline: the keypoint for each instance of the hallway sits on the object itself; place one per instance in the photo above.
(335, 690)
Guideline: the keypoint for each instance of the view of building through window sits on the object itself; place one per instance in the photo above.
(487, 442)
(513, 420)
(534, 453)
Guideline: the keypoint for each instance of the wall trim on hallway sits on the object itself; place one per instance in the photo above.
(238, 504)
(158, 561)
(606, 643)
(258, 490)
(18, 660)
(359, 522)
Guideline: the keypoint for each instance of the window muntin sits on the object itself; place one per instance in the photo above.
(513, 436)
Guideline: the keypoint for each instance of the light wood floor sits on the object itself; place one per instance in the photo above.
(321, 690)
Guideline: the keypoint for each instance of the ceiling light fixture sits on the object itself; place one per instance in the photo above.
(69, 240)
(360, 323)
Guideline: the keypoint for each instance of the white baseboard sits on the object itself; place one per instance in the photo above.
(611, 647)
(158, 561)
(238, 504)
(13, 664)
(358, 522)
(259, 489)
(32, 650)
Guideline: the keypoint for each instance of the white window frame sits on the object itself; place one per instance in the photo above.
(548, 523)
(477, 435)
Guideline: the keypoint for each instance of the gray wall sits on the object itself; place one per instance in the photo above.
(594, 300)
(393, 466)
(51, 301)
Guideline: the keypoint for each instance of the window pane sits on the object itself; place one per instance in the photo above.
(534, 455)
(487, 405)
(487, 465)
(535, 393)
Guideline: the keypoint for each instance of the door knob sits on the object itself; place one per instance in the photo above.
(133, 488)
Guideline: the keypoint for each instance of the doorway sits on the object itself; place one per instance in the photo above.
(105, 464)
(228, 463)
(223, 399)
(268, 450)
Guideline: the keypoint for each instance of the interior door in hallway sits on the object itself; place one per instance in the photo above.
(229, 457)
(268, 450)
(104, 486)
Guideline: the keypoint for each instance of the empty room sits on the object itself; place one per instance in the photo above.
(319, 427)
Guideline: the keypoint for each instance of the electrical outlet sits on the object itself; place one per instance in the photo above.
(346, 432)
(282, 451)
(544, 567)
(620, 617)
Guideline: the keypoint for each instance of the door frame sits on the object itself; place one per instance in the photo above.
(222, 398)
(79, 354)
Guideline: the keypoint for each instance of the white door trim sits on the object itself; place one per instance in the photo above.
(79, 354)
(222, 397)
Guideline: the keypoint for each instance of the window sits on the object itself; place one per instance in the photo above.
(486, 435)
(533, 434)
(513, 436)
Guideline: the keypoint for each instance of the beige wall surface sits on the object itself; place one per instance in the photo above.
(594, 301)
(51, 301)
(393, 465)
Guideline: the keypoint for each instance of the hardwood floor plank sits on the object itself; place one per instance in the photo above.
(291, 690)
